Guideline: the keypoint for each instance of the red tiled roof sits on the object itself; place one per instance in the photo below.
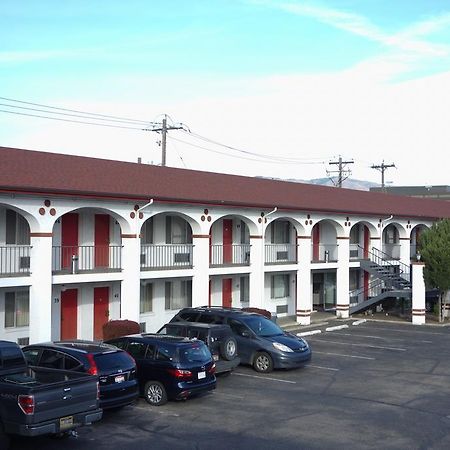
(54, 173)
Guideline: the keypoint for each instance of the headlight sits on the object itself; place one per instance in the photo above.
(282, 347)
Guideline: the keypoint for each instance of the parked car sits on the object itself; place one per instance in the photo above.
(260, 342)
(36, 401)
(115, 369)
(218, 338)
(169, 367)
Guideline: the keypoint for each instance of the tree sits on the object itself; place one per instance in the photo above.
(435, 251)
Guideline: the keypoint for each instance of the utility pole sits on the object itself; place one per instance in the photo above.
(163, 128)
(382, 168)
(341, 172)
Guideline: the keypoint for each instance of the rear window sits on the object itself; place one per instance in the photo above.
(12, 357)
(112, 361)
(196, 353)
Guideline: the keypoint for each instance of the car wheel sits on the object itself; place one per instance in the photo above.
(154, 393)
(263, 362)
(228, 348)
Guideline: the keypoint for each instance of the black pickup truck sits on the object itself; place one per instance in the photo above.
(39, 401)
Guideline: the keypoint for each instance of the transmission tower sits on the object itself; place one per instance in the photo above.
(342, 174)
(382, 168)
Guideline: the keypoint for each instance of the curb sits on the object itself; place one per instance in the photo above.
(309, 333)
(338, 327)
(359, 322)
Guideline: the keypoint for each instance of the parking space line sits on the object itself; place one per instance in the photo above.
(341, 354)
(321, 367)
(379, 337)
(412, 331)
(362, 345)
(264, 378)
(156, 410)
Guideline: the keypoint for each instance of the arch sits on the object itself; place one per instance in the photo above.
(32, 221)
(339, 229)
(252, 226)
(195, 226)
(360, 235)
(415, 246)
(299, 227)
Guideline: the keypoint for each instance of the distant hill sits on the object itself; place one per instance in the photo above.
(350, 183)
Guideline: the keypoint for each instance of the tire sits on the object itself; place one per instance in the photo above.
(4, 439)
(263, 362)
(155, 393)
(228, 348)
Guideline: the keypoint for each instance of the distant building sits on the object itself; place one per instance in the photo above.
(438, 192)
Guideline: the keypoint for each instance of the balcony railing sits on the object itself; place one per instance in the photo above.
(166, 256)
(356, 252)
(230, 255)
(86, 258)
(280, 253)
(324, 252)
(14, 260)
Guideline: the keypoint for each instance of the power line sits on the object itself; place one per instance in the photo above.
(70, 120)
(145, 122)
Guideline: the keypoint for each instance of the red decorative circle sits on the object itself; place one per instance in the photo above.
(310, 222)
(349, 223)
(47, 203)
(309, 216)
(141, 215)
(209, 218)
(259, 220)
(306, 222)
(41, 211)
(52, 211)
(202, 218)
(136, 207)
(265, 220)
(132, 215)
(205, 211)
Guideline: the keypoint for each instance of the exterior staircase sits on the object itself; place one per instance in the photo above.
(392, 280)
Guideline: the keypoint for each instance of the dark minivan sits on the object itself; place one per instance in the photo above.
(115, 369)
(260, 342)
(169, 367)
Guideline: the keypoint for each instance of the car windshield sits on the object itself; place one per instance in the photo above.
(197, 352)
(262, 326)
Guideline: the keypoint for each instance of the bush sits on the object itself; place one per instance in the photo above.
(118, 328)
(263, 312)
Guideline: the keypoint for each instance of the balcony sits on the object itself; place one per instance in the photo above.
(166, 256)
(86, 258)
(14, 260)
(229, 255)
(280, 254)
(356, 252)
(324, 253)
(391, 251)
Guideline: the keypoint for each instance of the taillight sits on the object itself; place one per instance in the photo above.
(26, 403)
(92, 365)
(179, 373)
(212, 369)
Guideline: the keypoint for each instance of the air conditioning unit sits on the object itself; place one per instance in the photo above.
(354, 253)
(282, 256)
(23, 341)
(182, 258)
(24, 262)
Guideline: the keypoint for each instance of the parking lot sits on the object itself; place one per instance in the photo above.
(372, 385)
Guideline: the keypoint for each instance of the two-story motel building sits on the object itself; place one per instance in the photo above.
(85, 240)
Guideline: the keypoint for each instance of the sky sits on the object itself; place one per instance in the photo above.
(275, 88)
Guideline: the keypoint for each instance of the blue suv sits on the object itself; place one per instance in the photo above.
(260, 342)
(169, 367)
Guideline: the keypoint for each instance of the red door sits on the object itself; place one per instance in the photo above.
(366, 285)
(226, 292)
(101, 240)
(69, 307)
(316, 241)
(69, 239)
(366, 242)
(101, 310)
(227, 241)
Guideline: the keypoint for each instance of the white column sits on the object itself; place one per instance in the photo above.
(304, 299)
(41, 287)
(256, 272)
(343, 279)
(131, 288)
(418, 294)
(200, 280)
(375, 242)
(405, 251)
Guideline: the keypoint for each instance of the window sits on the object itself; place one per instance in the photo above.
(31, 356)
(52, 359)
(178, 231)
(281, 231)
(237, 327)
(17, 229)
(17, 309)
(279, 286)
(354, 235)
(244, 289)
(146, 302)
(178, 294)
(137, 349)
(71, 363)
(147, 231)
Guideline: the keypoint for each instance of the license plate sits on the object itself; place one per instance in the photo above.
(66, 422)
(201, 375)
(119, 378)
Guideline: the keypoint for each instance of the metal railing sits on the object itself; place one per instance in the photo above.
(86, 258)
(14, 260)
(391, 251)
(382, 259)
(324, 252)
(280, 253)
(229, 255)
(359, 295)
(166, 256)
